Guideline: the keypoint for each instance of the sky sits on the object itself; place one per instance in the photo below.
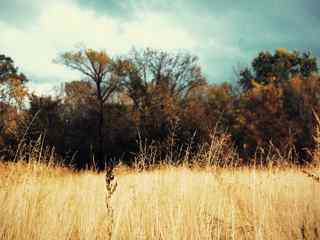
(224, 34)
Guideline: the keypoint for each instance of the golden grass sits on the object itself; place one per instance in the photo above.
(41, 202)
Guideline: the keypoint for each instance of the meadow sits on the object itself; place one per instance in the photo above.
(44, 201)
(155, 142)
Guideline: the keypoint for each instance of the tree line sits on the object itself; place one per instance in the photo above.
(163, 99)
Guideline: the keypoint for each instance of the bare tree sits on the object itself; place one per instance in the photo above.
(175, 74)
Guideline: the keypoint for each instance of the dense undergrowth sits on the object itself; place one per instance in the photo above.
(42, 199)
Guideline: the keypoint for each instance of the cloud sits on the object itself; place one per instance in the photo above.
(61, 25)
(229, 32)
(223, 33)
(19, 12)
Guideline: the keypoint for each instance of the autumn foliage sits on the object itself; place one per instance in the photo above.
(163, 100)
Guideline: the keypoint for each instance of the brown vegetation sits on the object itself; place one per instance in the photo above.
(45, 201)
(163, 100)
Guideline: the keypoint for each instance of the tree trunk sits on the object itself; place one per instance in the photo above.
(100, 152)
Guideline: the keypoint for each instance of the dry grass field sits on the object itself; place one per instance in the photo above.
(38, 201)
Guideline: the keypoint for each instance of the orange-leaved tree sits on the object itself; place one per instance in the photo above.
(104, 73)
(13, 93)
(279, 93)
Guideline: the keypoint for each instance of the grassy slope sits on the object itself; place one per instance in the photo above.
(41, 202)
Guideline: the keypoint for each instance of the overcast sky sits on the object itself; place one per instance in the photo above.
(222, 33)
